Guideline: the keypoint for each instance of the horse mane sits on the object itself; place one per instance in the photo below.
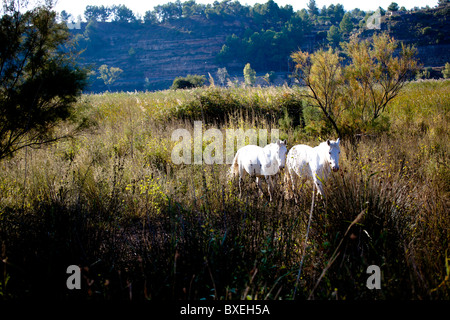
(269, 144)
(322, 145)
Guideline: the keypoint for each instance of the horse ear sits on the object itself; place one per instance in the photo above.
(328, 141)
(338, 140)
(279, 141)
(284, 142)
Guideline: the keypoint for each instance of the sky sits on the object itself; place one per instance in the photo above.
(77, 7)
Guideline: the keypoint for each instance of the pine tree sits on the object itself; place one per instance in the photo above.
(39, 79)
(346, 24)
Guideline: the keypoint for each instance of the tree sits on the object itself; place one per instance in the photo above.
(122, 14)
(312, 8)
(267, 14)
(346, 24)
(191, 8)
(334, 36)
(91, 13)
(98, 13)
(393, 7)
(336, 13)
(39, 78)
(249, 75)
(360, 89)
(65, 16)
(223, 75)
(322, 74)
(104, 13)
(150, 17)
(109, 75)
(171, 10)
(375, 75)
(446, 71)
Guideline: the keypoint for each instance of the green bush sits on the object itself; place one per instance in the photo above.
(188, 82)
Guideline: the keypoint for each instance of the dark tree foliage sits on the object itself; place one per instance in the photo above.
(96, 13)
(39, 80)
(190, 81)
(267, 49)
(118, 13)
(122, 14)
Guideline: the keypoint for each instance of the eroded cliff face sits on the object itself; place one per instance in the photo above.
(152, 56)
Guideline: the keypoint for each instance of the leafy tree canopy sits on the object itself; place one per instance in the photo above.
(39, 79)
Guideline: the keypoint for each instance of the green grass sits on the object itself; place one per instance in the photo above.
(111, 201)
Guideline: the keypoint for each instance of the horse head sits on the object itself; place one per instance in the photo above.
(280, 155)
(333, 154)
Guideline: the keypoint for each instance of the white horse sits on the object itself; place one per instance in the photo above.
(258, 161)
(303, 160)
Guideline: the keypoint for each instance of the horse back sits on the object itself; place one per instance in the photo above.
(253, 159)
(300, 153)
(301, 159)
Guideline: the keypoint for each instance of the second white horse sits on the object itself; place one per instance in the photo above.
(316, 163)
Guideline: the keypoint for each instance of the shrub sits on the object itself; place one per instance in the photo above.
(446, 71)
(188, 82)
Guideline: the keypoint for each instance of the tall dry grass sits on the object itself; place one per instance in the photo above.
(111, 201)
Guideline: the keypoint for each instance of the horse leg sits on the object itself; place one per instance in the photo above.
(290, 180)
(258, 183)
(293, 176)
(269, 186)
(241, 173)
(319, 186)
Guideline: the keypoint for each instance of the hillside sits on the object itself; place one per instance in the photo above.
(154, 54)
(428, 30)
(151, 55)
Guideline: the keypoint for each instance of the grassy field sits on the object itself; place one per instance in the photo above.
(141, 227)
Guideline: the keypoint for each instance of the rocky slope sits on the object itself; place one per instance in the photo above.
(151, 56)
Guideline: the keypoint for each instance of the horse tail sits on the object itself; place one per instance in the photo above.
(234, 170)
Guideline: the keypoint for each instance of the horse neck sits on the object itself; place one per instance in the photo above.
(269, 151)
(321, 151)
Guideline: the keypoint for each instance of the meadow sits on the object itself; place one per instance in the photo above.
(111, 200)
